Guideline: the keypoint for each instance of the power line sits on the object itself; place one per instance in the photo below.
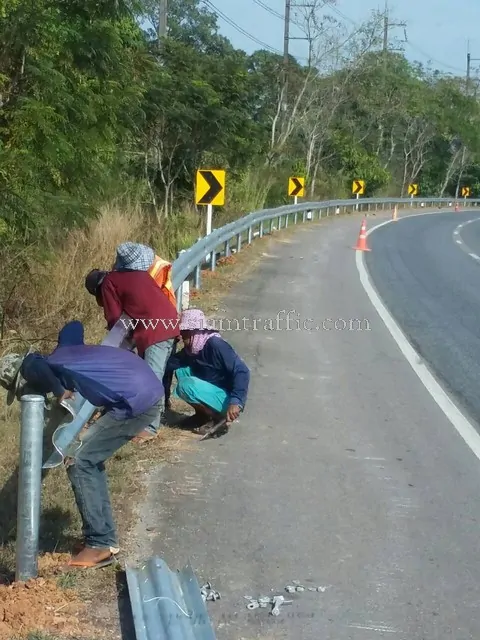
(269, 9)
(229, 21)
(429, 57)
(275, 13)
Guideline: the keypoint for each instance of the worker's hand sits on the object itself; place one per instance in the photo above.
(66, 395)
(233, 412)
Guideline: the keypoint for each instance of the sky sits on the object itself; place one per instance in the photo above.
(437, 30)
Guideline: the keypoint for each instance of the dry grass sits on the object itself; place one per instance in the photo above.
(52, 292)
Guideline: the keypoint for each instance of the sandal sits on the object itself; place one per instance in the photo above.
(204, 428)
(144, 436)
(80, 546)
(76, 564)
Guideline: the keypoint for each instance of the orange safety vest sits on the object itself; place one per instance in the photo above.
(161, 272)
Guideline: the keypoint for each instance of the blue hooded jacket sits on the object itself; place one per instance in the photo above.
(109, 377)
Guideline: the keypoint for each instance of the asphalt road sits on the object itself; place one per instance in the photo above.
(423, 272)
(343, 472)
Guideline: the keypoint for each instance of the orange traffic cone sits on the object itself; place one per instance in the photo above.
(362, 238)
(394, 213)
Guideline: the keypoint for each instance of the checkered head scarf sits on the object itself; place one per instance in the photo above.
(133, 256)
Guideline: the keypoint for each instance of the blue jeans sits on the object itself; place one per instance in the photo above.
(89, 479)
(156, 356)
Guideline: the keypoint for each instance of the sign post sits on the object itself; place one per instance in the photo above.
(412, 192)
(358, 189)
(210, 192)
(296, 188)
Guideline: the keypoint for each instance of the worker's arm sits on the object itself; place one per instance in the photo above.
(37, 373)
(112, 306)
(224, 356)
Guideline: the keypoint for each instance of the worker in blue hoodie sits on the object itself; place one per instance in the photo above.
(129, 393)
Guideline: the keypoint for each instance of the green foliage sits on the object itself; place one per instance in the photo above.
(94, 107)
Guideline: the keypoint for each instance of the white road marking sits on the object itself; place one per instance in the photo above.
(463, 426)
(465, 247)
(380, 627)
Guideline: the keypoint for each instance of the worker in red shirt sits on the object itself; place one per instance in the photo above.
(130, 289)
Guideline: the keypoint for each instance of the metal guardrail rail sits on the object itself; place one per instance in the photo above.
(191, 260)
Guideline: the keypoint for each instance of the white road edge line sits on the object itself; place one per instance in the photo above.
(461, 242)
(463, 426)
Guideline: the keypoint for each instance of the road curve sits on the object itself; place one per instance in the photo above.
(467, 235)
(423, 272)
(343, 472)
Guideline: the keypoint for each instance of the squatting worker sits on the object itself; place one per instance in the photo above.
(132, 290)
(130, 395)
(211, 376)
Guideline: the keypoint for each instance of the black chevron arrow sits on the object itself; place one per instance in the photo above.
(358, 186)
(298, 187)
(214, 187)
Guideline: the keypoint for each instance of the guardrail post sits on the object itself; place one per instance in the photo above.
(29, 486)
(260, 231)
(239, 242)
(249, 235)
(279, 223)
(213, 260)
(304, 216)
(286, 220)
(198, 277)
(295, 217)
(271, 225)
(227, 248)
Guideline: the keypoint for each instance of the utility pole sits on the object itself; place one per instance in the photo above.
(469, 68)
(387, 25)
(162, 18)
(286, 40)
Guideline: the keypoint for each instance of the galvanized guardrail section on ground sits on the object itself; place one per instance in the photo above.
(155, 578)
(167, 604)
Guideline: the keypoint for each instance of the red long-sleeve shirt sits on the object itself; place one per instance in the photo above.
(137, 294)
